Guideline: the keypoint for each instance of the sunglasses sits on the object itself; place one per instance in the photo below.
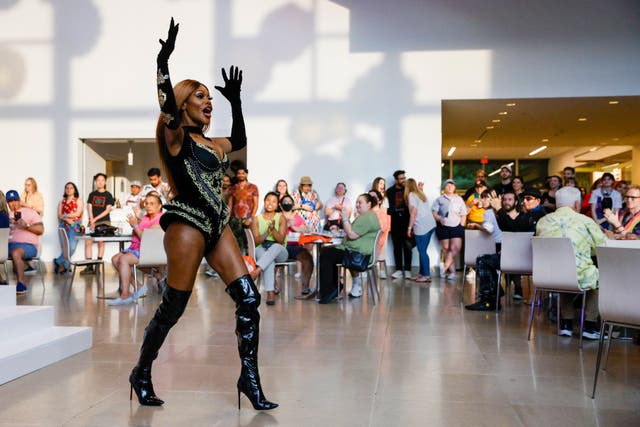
(529, 198)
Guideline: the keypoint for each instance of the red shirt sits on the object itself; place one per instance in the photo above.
(70, 206)
(243, 200)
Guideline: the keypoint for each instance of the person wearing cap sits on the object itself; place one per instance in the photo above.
(243, 205)
(585, 235)
(26, 225)
(307, 202)
(604, 198)
(70, 210)
(134, 198)
(400, 215)
(532, 209)
(505, 180)
(450, 214)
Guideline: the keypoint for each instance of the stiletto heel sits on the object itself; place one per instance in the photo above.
(247, 299)
(140, 380)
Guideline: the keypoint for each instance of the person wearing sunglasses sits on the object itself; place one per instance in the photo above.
(626, 225)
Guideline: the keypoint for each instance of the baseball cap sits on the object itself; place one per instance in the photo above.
(136, 183)
(507, 167)
(306, 180)
(532, 192)
(12, 195)
(449, 181)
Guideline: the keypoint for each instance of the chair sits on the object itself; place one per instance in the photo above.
(152, 252)
(554, 269)
(4, 251)
(516, 257)
(611, 243)
(251, 251)
(476, 243)
(64, 242)
(618, 296)
(371, 270)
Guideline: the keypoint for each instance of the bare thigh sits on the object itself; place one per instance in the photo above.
(446, 244)
(184, 246)
(456, 245)
(226, 258)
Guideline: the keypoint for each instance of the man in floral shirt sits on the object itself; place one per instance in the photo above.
(585, 235)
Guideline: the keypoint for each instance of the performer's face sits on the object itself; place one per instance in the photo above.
(198, 106)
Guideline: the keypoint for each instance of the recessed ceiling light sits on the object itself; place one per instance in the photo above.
(582, 119)
(614, 102)
(495, 121)
(474, 145)
(503, 113)
(545, 140)
(478, 140)
(537, 150)
(451, 151)
(615, 139)
(511, 104)
(489, 127)
(594, 149)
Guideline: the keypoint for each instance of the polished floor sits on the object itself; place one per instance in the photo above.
(415, 359)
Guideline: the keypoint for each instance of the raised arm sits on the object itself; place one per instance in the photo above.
(231, 91)
(168, 108)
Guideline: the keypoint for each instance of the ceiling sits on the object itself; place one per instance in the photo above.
(614, 128)
(116, 149)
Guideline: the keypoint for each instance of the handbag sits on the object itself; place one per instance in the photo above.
(354, 260)
(104, 230)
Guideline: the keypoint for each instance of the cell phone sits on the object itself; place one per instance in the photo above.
(17, 215)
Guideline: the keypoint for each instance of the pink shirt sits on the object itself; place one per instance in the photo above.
(144, 223)
(21, 235)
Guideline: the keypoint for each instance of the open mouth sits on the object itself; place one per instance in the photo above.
(207, 112)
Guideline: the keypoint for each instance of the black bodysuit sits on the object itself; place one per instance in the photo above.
(197, 174)
(197, 170)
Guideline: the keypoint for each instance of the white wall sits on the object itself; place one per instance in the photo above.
(340, 90)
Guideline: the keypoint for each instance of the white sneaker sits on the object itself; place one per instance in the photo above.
(356, 288)
(407, 274)
(120, 301)
(298, 275)
(211, 272)
(397, 274)
(383, 273)
(452, 276)
(443, 272)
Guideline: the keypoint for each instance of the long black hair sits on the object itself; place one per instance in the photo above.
(76, 194)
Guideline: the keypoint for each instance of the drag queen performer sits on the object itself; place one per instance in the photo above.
(195, 222)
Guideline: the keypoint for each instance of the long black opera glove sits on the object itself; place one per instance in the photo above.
(231, 91)
(168, 107)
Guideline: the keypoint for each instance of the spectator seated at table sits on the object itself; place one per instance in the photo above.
(26, 227)
(270, 235)
(296, 224)
(585, 235)
(360, 237)
(125, 260)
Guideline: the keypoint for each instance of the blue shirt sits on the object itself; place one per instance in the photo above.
(4, 220)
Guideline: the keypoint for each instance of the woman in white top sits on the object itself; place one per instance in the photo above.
(421, 225)
(450, 214)
(337, 208)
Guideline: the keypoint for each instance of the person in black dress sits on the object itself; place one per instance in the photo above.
(195, 221)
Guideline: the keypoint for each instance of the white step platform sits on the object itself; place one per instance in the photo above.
(29, 340)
